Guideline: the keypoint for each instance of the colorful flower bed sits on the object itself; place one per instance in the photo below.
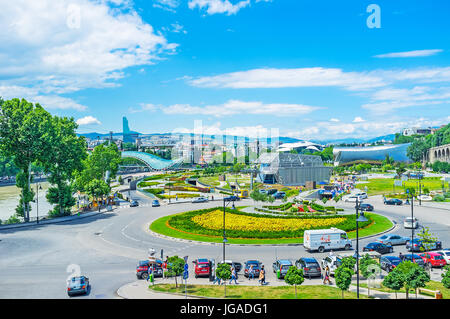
(246, 225)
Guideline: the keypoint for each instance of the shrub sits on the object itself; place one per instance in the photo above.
(439, 198)
(12, 220)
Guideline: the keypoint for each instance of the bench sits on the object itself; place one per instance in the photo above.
(437, 293)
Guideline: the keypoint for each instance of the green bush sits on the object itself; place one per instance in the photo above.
(12, 220)
(447, 195)
(439, 198)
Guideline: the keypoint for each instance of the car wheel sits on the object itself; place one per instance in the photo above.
(321, 249)
(196, 276)
(144, 276)
(391, 250)
(347, 247)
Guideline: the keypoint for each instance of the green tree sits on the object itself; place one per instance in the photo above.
(102, 163)
(23, 131)
(348, 262)
(343, 277)
(413, 275)
(64, 158)
(294, 276)
(223, 272)
(428, 239)
(446, 277)
(417, 150)
(175, 267)
(394, 280)
(97, 188)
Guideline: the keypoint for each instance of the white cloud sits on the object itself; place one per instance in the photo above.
(334, 120)
(56, 47)
(409, 54)
(218, 6)
(358, 119)
(300, 77)
(233, 107)
(216, 129)
(88, 120)
(168, 5)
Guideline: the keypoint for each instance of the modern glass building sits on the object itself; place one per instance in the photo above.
(291, 169)
(344, 155)
(152, 161)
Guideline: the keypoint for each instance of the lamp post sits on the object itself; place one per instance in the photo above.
(38, 187)
(359, 218)
(224, 237)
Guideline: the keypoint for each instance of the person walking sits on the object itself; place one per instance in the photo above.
(150, 273)
(233, 276)
(262, 276)
(251, 272)
(326, 278)
(216, 279)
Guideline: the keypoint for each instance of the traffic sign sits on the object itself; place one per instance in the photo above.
(185, 275)
(186, 267)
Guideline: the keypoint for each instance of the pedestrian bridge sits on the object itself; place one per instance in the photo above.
(152, 161)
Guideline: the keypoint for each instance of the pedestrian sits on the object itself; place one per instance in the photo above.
(400, 255)
(212, 197)
(216, 279)
(176, 198)
(262, 276)
(250, 272)
(331, 253)
(233, 276)
(327, 276)
(149, 271)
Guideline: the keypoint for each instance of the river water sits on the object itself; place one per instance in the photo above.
(9, 199)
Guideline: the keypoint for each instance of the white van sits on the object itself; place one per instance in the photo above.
(326, 239)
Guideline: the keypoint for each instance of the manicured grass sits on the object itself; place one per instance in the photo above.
(258, 292)
(380, 186)
(380, 224)
(432, 285)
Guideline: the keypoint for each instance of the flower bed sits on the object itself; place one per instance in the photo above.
(246, 225)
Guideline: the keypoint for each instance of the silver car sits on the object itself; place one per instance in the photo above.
(392, 240)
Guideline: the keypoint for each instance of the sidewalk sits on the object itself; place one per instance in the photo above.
(139, 289)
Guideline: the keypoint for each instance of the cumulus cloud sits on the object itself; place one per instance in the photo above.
(56, 47)
(88, 120)
(218, 6)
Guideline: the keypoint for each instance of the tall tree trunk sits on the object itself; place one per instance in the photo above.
(28, 191)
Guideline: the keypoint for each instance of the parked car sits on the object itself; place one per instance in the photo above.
(353, 198)
(134, 203)
(279, 195)
(410, 222)
(256, 267)
(78, 285)
(393, 201)
(271, 191)
(263, 191)
(392, 240)
(366, 207)
(419, 245)
(310, 266)
(283, 266)
(200, 200)
(379, 247)
(202, 267)
(332, 262)
(362, 195)
(434, 259)
(445, 254)
(414, 258)
(236, 265)
(388, 263)
(142, 269)
(231, 198)
(155, 203)
(425, 198)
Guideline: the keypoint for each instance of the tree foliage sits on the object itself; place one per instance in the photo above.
(294, 276)
(343, 276)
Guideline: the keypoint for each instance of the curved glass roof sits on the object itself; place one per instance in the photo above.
(349, 154)
(152, 161)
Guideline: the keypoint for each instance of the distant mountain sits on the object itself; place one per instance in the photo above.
(389, 137)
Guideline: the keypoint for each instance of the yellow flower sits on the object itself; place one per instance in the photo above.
(214, 220)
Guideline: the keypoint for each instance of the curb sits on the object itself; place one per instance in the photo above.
(120, 294)
(51, 221)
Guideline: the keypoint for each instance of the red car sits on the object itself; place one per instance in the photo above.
(202, 267)
(434, 259)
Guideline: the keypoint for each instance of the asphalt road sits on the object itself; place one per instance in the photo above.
(34, 261)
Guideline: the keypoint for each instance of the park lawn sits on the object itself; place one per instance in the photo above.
(258, 292)
(379, 225)
(210, 180)
(380, 186)
(432, 285)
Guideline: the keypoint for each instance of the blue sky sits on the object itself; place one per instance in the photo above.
(311, 69)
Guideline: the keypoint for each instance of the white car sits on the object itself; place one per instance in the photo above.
(424, 198)
(362, 195)
(446, 255)
(352, 199)
(411, 222)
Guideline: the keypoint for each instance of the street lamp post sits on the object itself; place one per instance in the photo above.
(224, 235)
(359, 218)
(38, 187)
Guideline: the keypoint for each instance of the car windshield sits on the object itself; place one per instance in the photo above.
(383, 237)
